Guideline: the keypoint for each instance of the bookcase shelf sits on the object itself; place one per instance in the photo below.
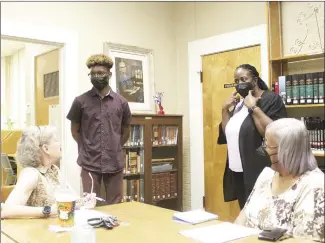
(158, 166)
(296, 58)
(319, 153)
(306, 106)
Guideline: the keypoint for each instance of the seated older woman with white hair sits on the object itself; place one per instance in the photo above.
(34, 194)
(290, 194)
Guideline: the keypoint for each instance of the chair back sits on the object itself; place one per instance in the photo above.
(8, 175)
(5, 162)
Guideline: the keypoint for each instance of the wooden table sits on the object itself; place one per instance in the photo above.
(142, 223)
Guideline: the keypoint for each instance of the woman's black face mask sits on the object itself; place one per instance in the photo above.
(244, 88)
(262, 151)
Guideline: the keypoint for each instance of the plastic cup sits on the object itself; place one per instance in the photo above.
(66, 203)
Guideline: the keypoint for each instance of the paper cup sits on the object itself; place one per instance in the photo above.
(66, 204)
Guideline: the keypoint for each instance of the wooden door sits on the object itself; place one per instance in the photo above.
(218, 69)
(46, 85)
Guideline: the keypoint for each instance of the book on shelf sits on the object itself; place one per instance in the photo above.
(164, 185)
(133, 190)
(134, 162)
(316, 131)
(136, 136)
(164, 135)
(300, 89)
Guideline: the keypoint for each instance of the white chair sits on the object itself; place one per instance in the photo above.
(9, 172)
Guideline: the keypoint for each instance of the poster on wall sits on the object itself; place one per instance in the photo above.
(303, 25)
(132, 75)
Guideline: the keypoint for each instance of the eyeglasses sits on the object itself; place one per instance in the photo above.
(264, 145)
(262, 150)
(97, 74)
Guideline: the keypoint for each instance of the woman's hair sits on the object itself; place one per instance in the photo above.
(260, 83)
(294, 151)
(29, 146)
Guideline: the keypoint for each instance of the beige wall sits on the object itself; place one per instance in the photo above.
(164, 27)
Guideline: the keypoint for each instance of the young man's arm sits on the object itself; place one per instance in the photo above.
(75, 127)
(126, 120)
(74, 116)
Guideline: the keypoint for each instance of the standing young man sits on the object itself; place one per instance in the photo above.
(100, 120)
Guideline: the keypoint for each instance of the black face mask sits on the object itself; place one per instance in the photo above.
(100, 82)
(244, 88)
(262, 151)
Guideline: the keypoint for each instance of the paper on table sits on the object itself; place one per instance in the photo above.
(82, 215)
(219, 233)
(195, 216)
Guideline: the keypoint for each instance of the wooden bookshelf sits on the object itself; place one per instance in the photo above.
(281, 65)
(319, 153)
(161, 144)
(306, 106)
(296, 58)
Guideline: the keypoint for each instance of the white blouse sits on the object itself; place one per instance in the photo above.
(232, 134)
(300, 209)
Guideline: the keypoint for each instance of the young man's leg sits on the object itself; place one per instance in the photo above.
(113, 183)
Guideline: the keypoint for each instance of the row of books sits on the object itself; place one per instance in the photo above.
(133, 190)
(164, 185)
(316, 130)
(136, 136)
(164, 135)
(134, 162)
(301, 88)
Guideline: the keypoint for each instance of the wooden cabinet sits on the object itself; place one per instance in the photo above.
(153, 161)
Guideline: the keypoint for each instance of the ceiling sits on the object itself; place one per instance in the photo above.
(8, 47)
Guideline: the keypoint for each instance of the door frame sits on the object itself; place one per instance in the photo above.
(68, 43)
(256, 35)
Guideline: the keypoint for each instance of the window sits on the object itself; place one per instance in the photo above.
(51, 85)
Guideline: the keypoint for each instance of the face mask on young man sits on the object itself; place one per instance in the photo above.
(100, 82)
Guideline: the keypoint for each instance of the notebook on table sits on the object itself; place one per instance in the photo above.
(194, 217)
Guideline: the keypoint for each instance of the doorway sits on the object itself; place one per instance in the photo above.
(69, 71)
(218, 70)
(24, 65)
(47, 90)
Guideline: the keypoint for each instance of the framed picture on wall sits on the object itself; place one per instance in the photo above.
(132, 75)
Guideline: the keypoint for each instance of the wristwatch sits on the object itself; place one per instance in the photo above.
(46, 211)
(251, 110)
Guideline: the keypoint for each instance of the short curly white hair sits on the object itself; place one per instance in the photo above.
(29, 146)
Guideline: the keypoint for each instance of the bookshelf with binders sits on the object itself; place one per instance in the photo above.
(299, 80)
(153, 155)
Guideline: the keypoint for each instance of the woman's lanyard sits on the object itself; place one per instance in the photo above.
(238, 108)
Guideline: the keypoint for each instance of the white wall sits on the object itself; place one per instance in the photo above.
(13, 68)
(3, 91)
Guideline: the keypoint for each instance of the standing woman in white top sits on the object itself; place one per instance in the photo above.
(242, 129)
